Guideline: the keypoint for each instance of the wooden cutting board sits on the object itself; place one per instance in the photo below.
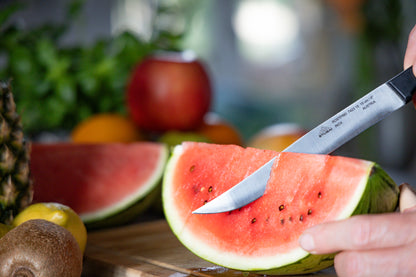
(149, 249)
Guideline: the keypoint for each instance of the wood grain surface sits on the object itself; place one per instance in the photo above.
(150, 249)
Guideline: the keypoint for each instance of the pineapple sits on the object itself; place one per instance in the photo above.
(15, 185)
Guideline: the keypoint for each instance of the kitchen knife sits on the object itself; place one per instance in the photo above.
(324, 138)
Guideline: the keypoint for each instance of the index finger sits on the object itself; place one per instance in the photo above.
(360, 232)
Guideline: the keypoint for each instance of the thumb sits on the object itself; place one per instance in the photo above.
(407, 200)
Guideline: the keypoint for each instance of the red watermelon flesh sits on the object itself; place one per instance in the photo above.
(303, 190)
(96, 180)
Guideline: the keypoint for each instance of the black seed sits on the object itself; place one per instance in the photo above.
(319, 194)
(253, 220)
(282, 221)
(210, 189)
(229, 212)
(301, 217)
(192, 168)
(281, 207)
(206, 201)
(290, 218)
(309, 212)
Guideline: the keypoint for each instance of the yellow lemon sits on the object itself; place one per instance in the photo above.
(107, 127)
(58, 214)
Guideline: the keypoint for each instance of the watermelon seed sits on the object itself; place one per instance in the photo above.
(301, 217)
(309, 212)
(281, 207)
(192, 168)
(229, 212)
(206, 201)
(290, 218)
(210, 189)
(253, 220)
(282, 221)
(319, 194)
(196, 188)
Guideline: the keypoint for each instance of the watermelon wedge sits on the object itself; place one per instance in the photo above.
(303, 190)
(106, 184)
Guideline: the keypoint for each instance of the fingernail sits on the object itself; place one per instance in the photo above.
(306, 242)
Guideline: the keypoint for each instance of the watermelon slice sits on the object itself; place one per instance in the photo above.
(303, 190)
(106, 184)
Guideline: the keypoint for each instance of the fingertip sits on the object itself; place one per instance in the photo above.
(307, 242)
(407, 200)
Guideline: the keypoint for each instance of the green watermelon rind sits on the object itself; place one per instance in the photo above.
(377, 193)
(136, 203)
(129, 214)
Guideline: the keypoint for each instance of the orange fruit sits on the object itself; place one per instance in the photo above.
(276, 137)
(102, 128)
(219, 131)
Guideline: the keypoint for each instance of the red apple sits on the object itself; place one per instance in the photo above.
(170, 91)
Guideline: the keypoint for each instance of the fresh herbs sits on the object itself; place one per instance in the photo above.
(56, 86)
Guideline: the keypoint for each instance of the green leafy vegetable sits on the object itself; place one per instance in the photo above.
(57, 86)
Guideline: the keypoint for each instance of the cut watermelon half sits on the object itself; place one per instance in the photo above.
(303, 190)
(106, 184)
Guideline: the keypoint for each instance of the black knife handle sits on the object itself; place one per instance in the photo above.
(404, 84)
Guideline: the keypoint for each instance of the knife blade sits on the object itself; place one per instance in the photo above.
(323, 139)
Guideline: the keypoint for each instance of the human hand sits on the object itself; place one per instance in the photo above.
(369, 245)
(410, 55)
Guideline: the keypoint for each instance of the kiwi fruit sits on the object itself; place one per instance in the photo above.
(40, 248)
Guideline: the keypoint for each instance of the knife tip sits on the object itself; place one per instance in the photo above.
(200, 210)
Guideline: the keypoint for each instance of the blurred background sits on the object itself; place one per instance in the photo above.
(270, 61)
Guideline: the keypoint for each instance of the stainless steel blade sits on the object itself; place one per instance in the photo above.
(323, 139)
(348, 123)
